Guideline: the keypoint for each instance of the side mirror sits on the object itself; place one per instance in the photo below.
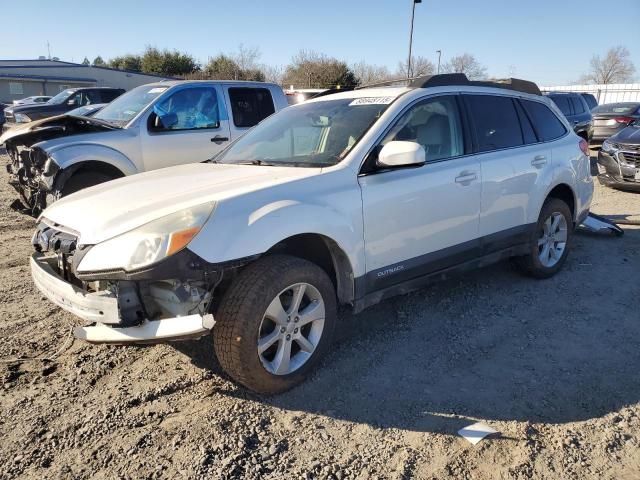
(71, 102)
(401, 154)
(164, 120)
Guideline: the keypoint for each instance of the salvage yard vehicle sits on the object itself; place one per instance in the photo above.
(576, 109)
(611, 118)
(63, 102)
(619, 159)
(33, 99)
(152, 126)
(346, 199)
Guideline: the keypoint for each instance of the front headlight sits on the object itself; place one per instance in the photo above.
(149, 243)
(21, 118)
(609, 146)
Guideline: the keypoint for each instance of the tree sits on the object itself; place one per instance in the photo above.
(366, 73)
(98, 62)
(273, 73)
(167, 63)
(467, 64)
(127, 62)
(86, 61)
(419, 66)
(310, 69)
(615, 67)
(224, 67)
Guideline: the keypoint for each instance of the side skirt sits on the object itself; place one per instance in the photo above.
(437, 276)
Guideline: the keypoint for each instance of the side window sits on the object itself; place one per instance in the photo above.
(527, 130)
(108, 95)
(577, 105)
(548, 126)
(92, 96)
(250, 106)
(194, 108)
(562, 102)
(434, 124)
(496, 122)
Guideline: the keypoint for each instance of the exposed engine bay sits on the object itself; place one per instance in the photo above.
(126, 300)
(33, 172)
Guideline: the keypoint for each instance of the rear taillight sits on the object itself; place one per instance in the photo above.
(625, 120)
(584, 146)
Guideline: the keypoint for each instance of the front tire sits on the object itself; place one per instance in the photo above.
(81, 180)
(275, 323)
(550, 241)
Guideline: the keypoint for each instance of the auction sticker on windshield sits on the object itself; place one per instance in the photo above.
(372, 101)
(157, 90)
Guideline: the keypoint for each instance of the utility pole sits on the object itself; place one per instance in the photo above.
(413, 12)
(48, 50)
(439, 52)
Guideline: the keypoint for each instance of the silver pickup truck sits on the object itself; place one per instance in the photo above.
(152, 126)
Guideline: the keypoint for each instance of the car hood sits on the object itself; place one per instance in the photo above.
(628, 135)
(58, 126)
(109, 209)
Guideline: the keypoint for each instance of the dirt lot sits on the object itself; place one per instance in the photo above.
(553, 365)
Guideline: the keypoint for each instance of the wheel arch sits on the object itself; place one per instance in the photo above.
(327, 254)
(564, 192)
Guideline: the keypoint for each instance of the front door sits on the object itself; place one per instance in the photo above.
(421, 220)
(198, 130)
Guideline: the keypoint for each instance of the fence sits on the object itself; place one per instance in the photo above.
(615, 92)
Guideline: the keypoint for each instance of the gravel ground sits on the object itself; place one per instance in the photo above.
(553, 365)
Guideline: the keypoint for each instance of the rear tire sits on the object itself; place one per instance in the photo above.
(258, 323)
(550, 241)
(81, 180)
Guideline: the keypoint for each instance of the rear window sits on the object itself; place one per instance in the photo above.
(623, 108)
(578, 106)
(545, 122)
(496, 122)
(250, 105)
(562, 101)
(590, 99)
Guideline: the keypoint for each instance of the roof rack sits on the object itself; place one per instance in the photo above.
(448, 79)
(445, 79)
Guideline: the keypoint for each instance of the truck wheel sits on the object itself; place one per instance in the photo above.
(550, 241)
(82, 180)
(274, 323)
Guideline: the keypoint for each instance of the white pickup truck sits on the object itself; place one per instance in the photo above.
(150, 127)
(344, 199)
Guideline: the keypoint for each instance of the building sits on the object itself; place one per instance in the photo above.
(611, 93)
(24, 78)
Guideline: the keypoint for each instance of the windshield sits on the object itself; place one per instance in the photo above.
(130, 104)
(311, 134)
(623, 108)
(61, 97)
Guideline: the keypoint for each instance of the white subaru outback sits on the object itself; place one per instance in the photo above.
(345, 199)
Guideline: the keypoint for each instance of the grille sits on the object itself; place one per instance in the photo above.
(631, 158)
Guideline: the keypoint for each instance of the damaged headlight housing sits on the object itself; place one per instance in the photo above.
(149, 243)
(609, 147)
(21, 118)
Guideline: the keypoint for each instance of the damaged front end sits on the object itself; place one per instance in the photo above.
(32, 171)
(169, 301)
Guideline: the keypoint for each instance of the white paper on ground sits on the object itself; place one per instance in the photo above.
(476, 432)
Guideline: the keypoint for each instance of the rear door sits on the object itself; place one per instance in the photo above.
(248, 106)
(514, 164)
(200, 130)
(423, 219)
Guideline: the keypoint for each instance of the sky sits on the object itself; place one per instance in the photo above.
(548, 41)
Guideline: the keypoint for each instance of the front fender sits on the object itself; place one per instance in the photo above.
(70, 155)
(233, 234)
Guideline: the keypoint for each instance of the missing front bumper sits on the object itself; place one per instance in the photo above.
(178, 328)
(101, 309)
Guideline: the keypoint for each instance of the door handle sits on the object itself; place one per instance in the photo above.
(466, 177)
(539, 160)
(219, 139)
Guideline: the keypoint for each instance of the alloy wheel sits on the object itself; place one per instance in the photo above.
(291, 329)
(553, 241)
